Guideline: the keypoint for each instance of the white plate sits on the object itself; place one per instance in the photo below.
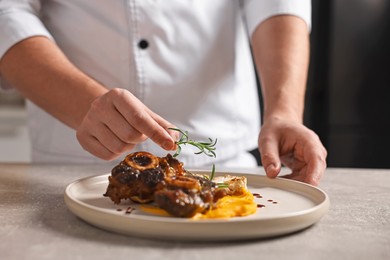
(298, 206)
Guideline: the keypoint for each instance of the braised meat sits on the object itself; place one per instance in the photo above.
(184, 196)
(143, 178)
(139, 175)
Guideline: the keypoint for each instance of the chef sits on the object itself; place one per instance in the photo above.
(105, 78)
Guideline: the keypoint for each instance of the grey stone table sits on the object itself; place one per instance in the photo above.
(36, 224)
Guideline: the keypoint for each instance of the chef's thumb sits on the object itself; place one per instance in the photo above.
(269, 153)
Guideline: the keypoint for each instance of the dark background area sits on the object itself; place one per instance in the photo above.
(348, 92)
(348, 95)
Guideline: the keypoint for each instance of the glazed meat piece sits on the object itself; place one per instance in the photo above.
(185, 196)
(139, 175)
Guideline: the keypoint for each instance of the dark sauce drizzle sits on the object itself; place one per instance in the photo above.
(257, 195)
(129, 210)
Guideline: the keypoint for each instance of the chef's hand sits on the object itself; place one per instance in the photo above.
(117, 121)
(295, 146)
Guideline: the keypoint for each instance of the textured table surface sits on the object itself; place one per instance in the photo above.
(36, 224)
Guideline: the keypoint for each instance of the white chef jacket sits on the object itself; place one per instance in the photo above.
(187, 60)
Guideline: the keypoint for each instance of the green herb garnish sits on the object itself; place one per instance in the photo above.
(222, 185)
(212, 173)
(208, 148)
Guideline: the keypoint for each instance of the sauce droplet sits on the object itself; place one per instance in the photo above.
(129, 210)
(257, 195)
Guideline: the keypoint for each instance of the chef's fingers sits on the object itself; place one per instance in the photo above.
(110, 141)
(312, 168)
(91, 144)
(288, 160)
(269, 152)
(102, 110)
(316, 165)
(114, 120)
(166, 125)
(137, 115)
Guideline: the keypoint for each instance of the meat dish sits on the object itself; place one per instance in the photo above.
(145, 178)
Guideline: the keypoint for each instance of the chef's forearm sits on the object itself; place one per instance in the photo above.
(281, 52)
(38, 69)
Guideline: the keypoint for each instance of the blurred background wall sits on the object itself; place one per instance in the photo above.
(14, 141)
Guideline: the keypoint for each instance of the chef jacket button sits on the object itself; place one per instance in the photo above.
(143, 44)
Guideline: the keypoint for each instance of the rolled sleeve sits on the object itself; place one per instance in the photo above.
(17, 24)
(257, 11)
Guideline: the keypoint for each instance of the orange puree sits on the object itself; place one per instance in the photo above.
(155, 211)
(226, 207)
(231, 206)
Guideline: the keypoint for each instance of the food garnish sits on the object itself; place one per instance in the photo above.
(208, 148)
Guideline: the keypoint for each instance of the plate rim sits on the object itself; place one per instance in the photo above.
(322, 206)
(238, 219)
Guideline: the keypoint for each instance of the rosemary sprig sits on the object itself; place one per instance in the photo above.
(208, 148)
(212, 173)
(222, 185)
